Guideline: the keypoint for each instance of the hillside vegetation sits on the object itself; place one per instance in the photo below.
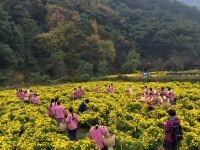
(42, 40)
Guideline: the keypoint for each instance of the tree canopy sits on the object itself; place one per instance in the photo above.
(58, 38)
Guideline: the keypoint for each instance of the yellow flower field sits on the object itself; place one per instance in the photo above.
(24, 126)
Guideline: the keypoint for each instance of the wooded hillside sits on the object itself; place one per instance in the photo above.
(42, 40)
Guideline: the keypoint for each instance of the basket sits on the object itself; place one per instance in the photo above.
(109, 140)
(62, 127)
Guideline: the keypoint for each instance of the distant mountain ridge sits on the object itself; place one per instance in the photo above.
(195, 3)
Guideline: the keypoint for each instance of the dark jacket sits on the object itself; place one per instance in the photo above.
(82, 107)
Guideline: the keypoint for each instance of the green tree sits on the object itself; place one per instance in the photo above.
(106, 50)
(85, 68)
(103, 68)
(6, 56)
(132, 61)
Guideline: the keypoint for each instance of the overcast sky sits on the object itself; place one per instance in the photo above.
(192, 2)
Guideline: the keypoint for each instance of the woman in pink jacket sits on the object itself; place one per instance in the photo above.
(59, 113)
(35, 100)
(72, 124)
(170, 96)
(96, 132)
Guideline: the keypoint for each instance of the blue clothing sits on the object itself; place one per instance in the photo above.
(82, 107)
(72, 134)
(147, 75)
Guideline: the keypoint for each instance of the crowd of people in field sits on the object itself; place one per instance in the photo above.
(78, 93)
(27, 96)
(153, 97)
(64, 120)
(68, 120)
(109, 89)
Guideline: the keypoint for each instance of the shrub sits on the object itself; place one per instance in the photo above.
(83, 78)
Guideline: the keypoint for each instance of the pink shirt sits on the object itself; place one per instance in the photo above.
(52, 109)
(97, 89)
(35, 100)
(26, 96)
(107, 89)
(72, 121)
(31, 95)
(151, 94)
(110, 89)
(156, 92)
(75, 94)
(80, 93)
(171, 95)
(59, 112)
(96, 135)
(145, 91)
(150, 104)
(18, 94)
(167, 127)
(163, 93)
(22, 95)
(50, 112)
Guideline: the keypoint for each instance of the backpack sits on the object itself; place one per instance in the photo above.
(176, 132)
